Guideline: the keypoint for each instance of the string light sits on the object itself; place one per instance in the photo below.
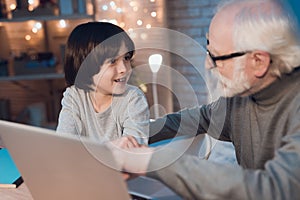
(30, 8)
(132, 3)
(27, 37)
(133, 8)
(12, 6)
(113, 21)
(36, 27)
(130, 30)
(34, 30)
(32, 4)
(122, 24)
(62, 23)
(139, 22)
(119, 10)
(105, 7)
(112, 4)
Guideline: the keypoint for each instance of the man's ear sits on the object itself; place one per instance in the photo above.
(262, 61)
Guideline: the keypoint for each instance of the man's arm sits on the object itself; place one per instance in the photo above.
(193, 178)
(191, 122)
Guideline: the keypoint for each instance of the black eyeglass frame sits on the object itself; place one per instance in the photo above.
(224, 57)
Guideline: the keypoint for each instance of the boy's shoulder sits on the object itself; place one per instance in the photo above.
(131, 89)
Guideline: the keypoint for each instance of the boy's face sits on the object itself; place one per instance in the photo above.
(114, 74)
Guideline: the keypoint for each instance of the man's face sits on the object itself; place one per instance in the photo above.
(235, 86)
(231, 73)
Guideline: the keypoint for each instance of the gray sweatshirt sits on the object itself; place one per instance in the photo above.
(127, 115)
(265, 130)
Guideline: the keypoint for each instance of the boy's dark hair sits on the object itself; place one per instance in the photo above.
(95, 42)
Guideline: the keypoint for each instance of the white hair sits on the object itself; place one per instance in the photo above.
(265, 25)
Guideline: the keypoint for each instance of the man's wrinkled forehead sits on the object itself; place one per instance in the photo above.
(251, 7)
(221, 30)
(222, 24)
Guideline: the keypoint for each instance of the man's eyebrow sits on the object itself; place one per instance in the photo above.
(207, 39)
(211, 49)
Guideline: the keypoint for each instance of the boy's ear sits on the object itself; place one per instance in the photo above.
(262, 63)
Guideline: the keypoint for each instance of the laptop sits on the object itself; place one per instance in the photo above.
(62, 167)
(56, 166)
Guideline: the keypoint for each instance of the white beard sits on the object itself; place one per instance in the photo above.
(239, 83)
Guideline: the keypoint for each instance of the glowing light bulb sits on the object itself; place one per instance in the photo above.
(30, 8)
(62, 23)
(155, 61)
(113, 21)
(27, 37)
(105, 7)
(119, 10)
(122, 24)
(34, 30)
(38, 25)
(132, 3)
(12, 6)
(153, 14)
(112, 4)
(139, 22)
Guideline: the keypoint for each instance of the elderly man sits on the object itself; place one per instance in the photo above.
(254, 51)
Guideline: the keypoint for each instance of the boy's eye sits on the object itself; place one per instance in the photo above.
(127, 57)
(113, 61)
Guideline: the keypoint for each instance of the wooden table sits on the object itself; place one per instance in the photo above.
(20, 193)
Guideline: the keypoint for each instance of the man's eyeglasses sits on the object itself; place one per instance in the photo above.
(212, 59)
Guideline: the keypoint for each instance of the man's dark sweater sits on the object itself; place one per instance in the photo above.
(265, 130)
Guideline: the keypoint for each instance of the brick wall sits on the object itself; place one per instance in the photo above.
(191, 18)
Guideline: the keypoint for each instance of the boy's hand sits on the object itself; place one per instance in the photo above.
(125, 142)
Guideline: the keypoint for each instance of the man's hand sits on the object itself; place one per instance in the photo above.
(128, 176)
